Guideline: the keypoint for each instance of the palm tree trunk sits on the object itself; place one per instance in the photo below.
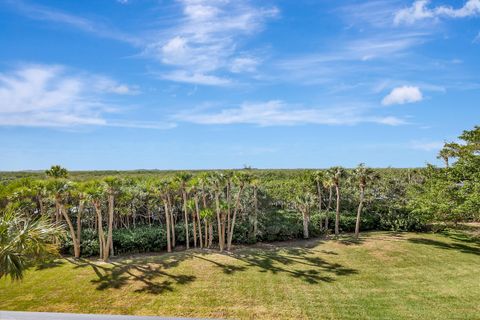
(170, 210)
(235, 210)
(167, 223)
(228, 206)
(185, 211)
(197, 211)
(305, 224)
(217, 205)
(255, 213)
(359, 211)
(101, 236)
(319, 191)
(337, 215)
(109, 244)
(76, 247)
(81, 207)
(210, 234)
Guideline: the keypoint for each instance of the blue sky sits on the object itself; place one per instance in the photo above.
(192, 84)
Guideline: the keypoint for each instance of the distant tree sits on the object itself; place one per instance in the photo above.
(57, 172)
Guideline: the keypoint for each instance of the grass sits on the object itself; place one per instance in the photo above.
(381, 276)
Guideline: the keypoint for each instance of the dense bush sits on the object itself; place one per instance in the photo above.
(402, 220)
(140, 239)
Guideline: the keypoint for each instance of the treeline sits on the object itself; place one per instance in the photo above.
(147, 211)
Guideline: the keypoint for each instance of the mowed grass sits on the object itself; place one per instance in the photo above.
(382, 276)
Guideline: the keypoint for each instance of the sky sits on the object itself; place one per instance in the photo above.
(213, 84)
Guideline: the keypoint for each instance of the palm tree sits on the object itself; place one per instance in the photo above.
(112, 188)
(255, 184)
(203, 183)
(163, 189)
(304, 203)
(193, 189)
(328, 184)
(216, 182)
(57, 172)
(318, 177)
(182, 178)
(363, 175)
(242, 179)
(450, 150)
(24, 241)
(337, 174)
(95, 193)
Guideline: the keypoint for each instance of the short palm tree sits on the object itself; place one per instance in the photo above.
(24, 241)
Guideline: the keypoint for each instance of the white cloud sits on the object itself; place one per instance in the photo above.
(426, 145)
(477, 38)
(402, 95)
(195, 78)
(419, 10)
(53, 96)
(43, 13)
(206, 39)
(277, 113)
(244, 64)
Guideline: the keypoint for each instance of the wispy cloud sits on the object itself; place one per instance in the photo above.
(53, 96)
(43, 13)
(420, 10)
(426, 145)
(206, 40)
(402, 95)
(278, 113)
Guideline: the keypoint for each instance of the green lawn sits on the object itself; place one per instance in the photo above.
(383, 276)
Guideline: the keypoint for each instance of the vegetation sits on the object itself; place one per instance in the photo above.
(387, 275)
(381, 276)
(244, 206)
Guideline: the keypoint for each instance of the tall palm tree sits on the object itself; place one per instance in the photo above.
(112, 188)
(24, 241)
(255, 184)
(242, 179)
(163, 189)
(363, 175)
(328, 184)
(182, 178)
(194, 186)
(95, 193)
(337, 174)
(217, 183)
(318, 177)
(203, 185)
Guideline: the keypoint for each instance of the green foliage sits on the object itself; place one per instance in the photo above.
(23, 242)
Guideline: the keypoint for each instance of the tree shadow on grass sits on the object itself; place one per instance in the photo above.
(295, 262)
(151, 274)
(49, 264)
(448, 246)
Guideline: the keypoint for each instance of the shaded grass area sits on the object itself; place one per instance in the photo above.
(380, 276)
